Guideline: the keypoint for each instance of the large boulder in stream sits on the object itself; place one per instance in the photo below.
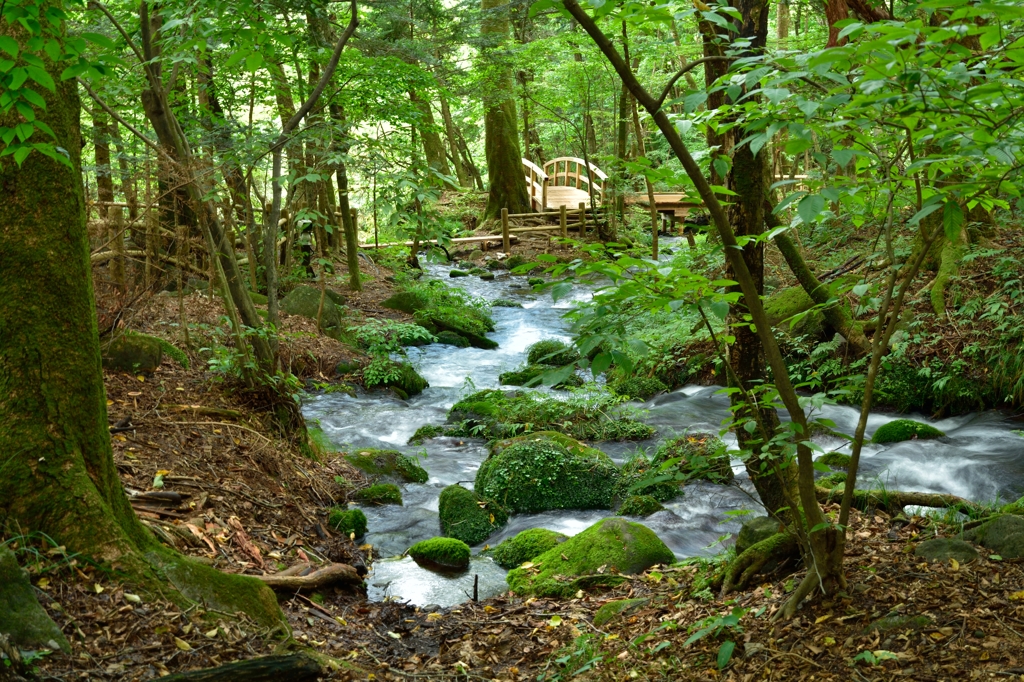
(899, 430)
(468, 517)
(525, 546)
(698, 456)
(445, 554)
(598, 557)
(468, 322)
(547, 470)
(389, 464)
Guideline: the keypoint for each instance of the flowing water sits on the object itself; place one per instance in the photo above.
(980, 459)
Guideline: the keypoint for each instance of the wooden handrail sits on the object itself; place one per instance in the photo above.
(531, 166)
(568, 170)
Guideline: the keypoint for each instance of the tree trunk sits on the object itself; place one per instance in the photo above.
(782, 23)
(348, 225)
(59, 476)
(110, 216)
(504, 157)
(433, 148)
(835, 11)
(453, 144)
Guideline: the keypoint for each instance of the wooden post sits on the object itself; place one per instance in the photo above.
(355, 222)
(583, 219)
(563, 221)
(505, 243)
(544, 195)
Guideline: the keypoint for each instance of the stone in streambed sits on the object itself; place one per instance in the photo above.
(754, 530)
(441, 553)
(468, 517)
(525, 546)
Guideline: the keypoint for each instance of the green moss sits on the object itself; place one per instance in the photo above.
(387, 463)
(782, 305)
(305, 301)
(452, 339)
(381, 493)
(501, 413)
(536, 473)
(536, 281)
(530, 375)
(900, 430)
(637, 477)
(445, 553)
(701, 456)
(505, 303)
(638, 388)
(525, 546)
(832, 480)
(514, 261)
(467, 516)
(408, 383)
(426, 432)
(257, 298)
(551, 352)
(640, 505)
(168, 349)
(21, 616)
(1014, 508)
(133, 353)
(347, 521)
(470, 323)
(835, 460)
(613, 609)
(598, 556)
(899, 623)
(406, 301)
(458, 273)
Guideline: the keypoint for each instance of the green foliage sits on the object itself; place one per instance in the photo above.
(445, 553)
(531, 375)
(583, 655)
(637, 387)
(384, 337)
(584, 415)
(535, 473)
(505, 303)
(832, 480)
(551, 352)
(639, 477)
(900, 430)
(348, 521)
(452, 339)
(716, 626)
(426, 432)
(525, 546)
(467, 516)
(380, 493)
(697, 456)
(387, 463)
(640, 505)
(383, 371)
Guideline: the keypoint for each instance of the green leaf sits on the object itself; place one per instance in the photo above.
(26, 111)
(775, 95)
(720, 309)
(234, 59)
(18, 77)
(253, 61)
(810, 207)
(102, 40)
(721, 164)
(952, 220)
(560, 290)
(600, 363)
(9, 45)
(21, 153)
(725, 654)
(924, 212)
(34, 98)
(40, 76)
(842, 156)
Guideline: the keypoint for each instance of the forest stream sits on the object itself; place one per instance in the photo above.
(980, 459)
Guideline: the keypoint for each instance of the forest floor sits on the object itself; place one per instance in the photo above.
(245, 500)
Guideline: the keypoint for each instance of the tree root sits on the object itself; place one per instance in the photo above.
(328, 575)
(893, 501)
(778, 547)
(294, 667)
(811, 581)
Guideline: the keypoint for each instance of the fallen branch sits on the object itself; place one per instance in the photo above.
(294, 668)
(328, 575)
(893, 501)
(205, 411)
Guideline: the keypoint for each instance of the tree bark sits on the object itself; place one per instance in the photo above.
(348, 225)
(501, 138)
(835, 11)
(453, 144)
(433, 148)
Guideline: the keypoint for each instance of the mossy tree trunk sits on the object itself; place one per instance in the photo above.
(58, 474)
(505, 176)
(433, 147)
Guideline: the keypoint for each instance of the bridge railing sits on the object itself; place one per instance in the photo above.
(537, 184)
(568, 171)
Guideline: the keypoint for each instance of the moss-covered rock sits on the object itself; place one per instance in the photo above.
(470, 323)
(257, 298)
(408, 381)
(349, 366)
(900, 623)
(620, 607)
(305, 301)
(832, 480)
(944, 549)
(598, 556)
(514, 412)
(441, 553)
(754, 530)
(337, 298)
(530, 375)
(701, 456)
(640, 505)
(551, 352)
(458, 273)
(347, 521)
(505, 303)
(514, 261)
(835, 460)
(638, 388)
(900, 430)
(387, 464)
(785, 303)
(1003, 535)
(536, 473)
(525, 546)
(426, 432)
(133, 353)
(452, 339)
(22, 619)
(406, 301)
(536, 281)
(469, 517)
(639, 477)
(1014, 507)
(380, 493)
(486, 276)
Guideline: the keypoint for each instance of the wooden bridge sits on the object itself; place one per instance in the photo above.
(569, 181)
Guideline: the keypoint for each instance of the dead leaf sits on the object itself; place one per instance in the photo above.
(182, 644)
